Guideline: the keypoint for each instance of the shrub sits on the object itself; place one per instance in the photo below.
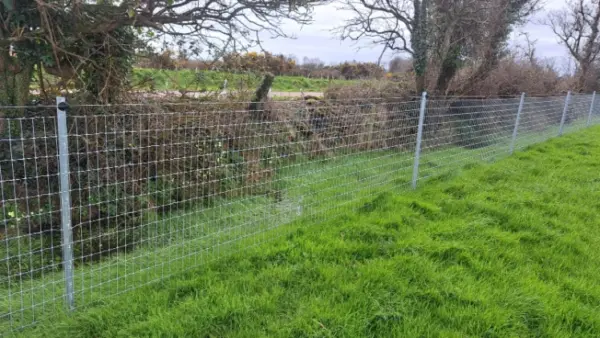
(164, 60)
(131, 164)
(512, 77)
(258, 62)
(371, 90)
(361, 70)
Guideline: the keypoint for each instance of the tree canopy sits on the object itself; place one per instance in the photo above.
(93, 41)
(439, 35)
(578, 29)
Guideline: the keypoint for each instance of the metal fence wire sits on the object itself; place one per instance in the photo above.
(99, 200)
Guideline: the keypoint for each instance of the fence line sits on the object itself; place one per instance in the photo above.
(100, 200)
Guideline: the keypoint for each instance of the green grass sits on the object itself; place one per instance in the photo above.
(490, 250)
(213, 80)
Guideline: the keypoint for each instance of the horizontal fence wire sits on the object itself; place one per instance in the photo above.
(157, 189)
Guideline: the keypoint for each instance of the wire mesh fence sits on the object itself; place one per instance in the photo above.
(155, 189)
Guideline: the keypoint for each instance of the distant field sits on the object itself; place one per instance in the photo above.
(489, 250)
(212, 80)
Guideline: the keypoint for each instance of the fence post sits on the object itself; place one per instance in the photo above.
(419, 139)
(514, 135)
(589, 121)
(564, 115)
(65, 200)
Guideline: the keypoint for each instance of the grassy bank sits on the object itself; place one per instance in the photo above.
(505, 249)
(212, 80)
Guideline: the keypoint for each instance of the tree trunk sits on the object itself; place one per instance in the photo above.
(450, 50)
(447, 71)
(419, 44)
(420, 83)
(489, 61)
(261, 95)
(15, 80)
(14, 91)
(582, 78)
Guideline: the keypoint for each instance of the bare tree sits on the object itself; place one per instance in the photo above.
(528, 50)
(577, 28)
(455, 31)
(440, 35)
(66, 36)
(478, 36)
(399, 25)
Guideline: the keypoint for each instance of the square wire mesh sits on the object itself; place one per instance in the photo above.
(30, 254)
(459, 131)
(160, 188)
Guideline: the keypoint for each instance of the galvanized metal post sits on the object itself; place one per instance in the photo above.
(564, 115)
(589, 121)
(514, 135)
(415, 176)
(65, 200)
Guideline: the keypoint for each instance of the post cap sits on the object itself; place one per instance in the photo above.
(63, 106)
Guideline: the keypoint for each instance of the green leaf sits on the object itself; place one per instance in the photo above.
(131, 12)
(48, 60)
(170, 2)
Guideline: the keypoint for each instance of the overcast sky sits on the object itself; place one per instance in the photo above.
(317, 40)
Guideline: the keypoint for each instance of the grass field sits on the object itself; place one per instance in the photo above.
(490, 250)
(211, 80)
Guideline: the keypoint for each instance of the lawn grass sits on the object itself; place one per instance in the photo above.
(212, 80)
(482, 250)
